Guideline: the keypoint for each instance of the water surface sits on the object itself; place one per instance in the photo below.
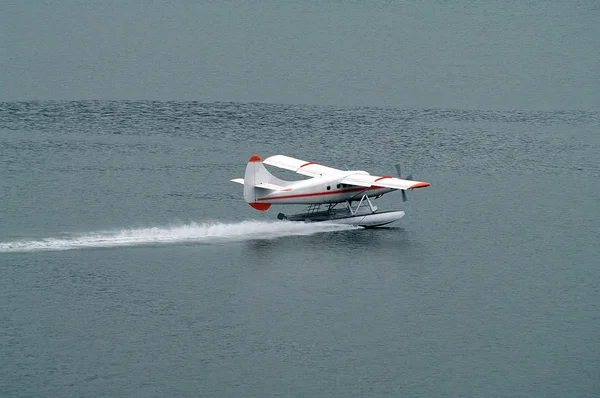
(132, 266)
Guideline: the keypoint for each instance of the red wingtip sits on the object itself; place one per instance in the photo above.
(254, 159)
(419, 185)
(260, 206)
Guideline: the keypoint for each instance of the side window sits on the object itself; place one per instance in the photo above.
(328, 187)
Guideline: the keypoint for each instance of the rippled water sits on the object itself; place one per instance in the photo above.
(173, 285)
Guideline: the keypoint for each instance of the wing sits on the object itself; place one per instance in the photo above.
(311, 169)
(365, 180)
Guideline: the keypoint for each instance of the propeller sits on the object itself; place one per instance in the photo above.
(408, 177)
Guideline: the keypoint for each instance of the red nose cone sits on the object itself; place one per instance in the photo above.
(254, 159)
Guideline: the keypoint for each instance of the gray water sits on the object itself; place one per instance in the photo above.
(131, 266)
(472, 54)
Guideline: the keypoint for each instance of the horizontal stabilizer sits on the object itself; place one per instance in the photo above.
(263, 185)
(266, 185)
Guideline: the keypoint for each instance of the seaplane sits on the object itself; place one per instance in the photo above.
(326, 188)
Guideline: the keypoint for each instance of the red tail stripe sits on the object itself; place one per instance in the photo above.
(260, 206)
(304, 195)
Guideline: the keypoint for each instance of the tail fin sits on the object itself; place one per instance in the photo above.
(257, 174)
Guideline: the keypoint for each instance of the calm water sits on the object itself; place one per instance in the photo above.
(472, 54)
(130, 265)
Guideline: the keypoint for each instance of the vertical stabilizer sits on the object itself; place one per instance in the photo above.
(257, 174)
(258, 182)
(250, 178)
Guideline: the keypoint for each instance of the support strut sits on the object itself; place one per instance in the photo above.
(353, 211)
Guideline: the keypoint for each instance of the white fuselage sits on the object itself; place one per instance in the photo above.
(318, 191)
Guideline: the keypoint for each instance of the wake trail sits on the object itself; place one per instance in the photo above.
(186, 233)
